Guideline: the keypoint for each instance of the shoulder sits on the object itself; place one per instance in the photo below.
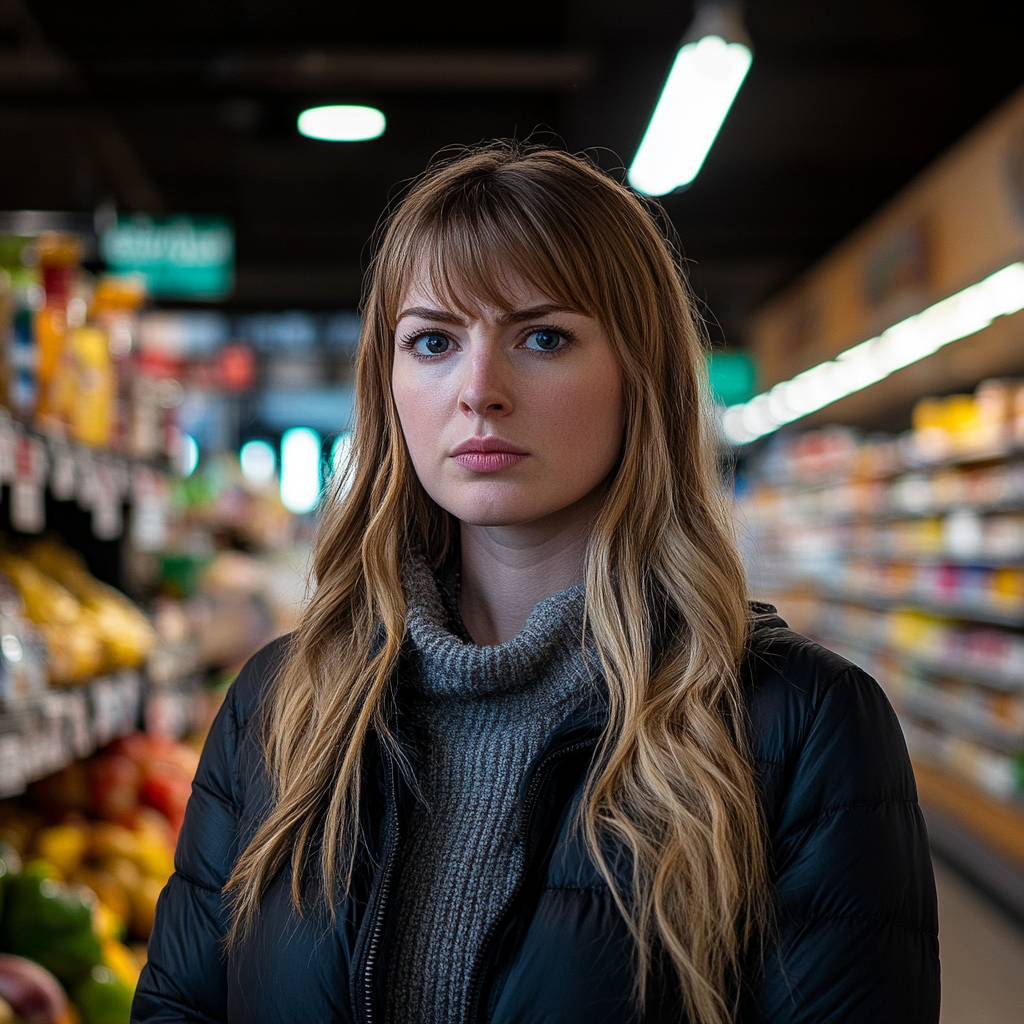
(818, 724)
(256, 678)
(787, 674)
(796, 689)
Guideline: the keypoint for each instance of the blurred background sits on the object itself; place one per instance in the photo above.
(187, 194)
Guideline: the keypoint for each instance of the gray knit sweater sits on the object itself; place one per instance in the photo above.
(479, 716)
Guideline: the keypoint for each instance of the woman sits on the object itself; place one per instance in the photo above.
(529, 755)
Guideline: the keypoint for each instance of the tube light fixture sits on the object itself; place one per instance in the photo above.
(706, 75)
(961, 314)
(258, 462)
(300, 469)
(342, 123)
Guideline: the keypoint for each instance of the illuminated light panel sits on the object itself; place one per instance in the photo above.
(258, 461)
(300, 469)
(701, 86)
(342, 123)
(189, 454)
(342, 462)
(962, 314)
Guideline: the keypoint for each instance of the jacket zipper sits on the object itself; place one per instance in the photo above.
(542, 770)
(382, 897)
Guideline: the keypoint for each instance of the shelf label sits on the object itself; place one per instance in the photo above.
(62, 471)
(27, 508)
(12, 765)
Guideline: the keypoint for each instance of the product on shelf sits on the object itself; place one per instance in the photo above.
(83, 858)
(126, 633)
(21, 292)
(906, 554)
(22, 650)
(30, 993)
(89, 627)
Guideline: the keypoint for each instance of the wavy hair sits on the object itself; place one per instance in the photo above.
(672, 784)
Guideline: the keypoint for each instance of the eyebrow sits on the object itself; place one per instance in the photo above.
(514, 316)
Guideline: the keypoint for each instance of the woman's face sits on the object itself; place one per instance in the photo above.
(509, 417)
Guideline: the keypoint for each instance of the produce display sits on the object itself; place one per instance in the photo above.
(83, 858)
(89, 627)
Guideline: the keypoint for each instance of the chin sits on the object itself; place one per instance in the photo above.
(495, 509)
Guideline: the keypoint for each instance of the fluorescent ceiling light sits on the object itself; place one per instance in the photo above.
(705, 77)
(258, 462)
(189, 455)
(342, 123)
(300, 469)
(956, 317)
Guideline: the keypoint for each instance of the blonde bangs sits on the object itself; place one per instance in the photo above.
(474, 255)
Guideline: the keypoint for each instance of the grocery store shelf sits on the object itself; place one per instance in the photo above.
(858, 652)
(982, 836)
(1005, 741)
(47, 732)
(981, 561)
(971, 612)
(998, 823)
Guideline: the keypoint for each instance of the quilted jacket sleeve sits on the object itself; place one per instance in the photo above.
(856, 928)
(184, 979)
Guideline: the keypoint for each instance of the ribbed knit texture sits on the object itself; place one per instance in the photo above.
(479, 716)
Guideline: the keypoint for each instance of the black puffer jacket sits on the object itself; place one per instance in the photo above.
(855, 940)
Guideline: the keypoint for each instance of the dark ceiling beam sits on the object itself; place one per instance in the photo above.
(29, 63)
(385, 70)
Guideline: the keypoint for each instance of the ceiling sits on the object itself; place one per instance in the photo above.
(191, 106)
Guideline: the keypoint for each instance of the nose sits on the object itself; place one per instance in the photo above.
(484, 389)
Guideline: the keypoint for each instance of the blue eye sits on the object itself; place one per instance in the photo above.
(431, 344)
(545, 341)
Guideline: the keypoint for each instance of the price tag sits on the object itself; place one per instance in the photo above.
(104, 711)
(62, 471)
(166, 714)
(12, 765)
(107, 521)
(149, 510)
(51, 742)
(8, 442)
(129, 691)
(27, 509)
(86, 479)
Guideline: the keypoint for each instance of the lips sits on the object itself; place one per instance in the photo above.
(486, 444)
(487, 454)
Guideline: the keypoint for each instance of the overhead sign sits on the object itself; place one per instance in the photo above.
(181, 257)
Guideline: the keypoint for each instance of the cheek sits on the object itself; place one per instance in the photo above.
(587, 415)
(421, 406)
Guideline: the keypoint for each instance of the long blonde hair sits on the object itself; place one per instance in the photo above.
(672, 781)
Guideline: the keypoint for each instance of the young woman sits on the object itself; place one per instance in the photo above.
(530, 755)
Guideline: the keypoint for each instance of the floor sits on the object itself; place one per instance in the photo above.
(982, 956)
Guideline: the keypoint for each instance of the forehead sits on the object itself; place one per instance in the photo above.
(508, 292)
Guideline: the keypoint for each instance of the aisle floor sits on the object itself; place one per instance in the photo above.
(982, 956)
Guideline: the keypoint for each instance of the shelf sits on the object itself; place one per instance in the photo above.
(1005, 453)
(980, 834)
(891, 515)
(1006, 681)
(46, 732)
(958, 845)
(954, 725)
(980, 561)
(974, 613)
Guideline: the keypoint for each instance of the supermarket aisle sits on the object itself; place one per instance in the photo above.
(982, 957)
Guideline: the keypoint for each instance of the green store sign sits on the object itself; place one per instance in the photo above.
(181, 257)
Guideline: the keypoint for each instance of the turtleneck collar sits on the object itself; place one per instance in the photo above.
(452, 665)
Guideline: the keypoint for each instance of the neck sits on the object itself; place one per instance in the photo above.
(507, 570)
